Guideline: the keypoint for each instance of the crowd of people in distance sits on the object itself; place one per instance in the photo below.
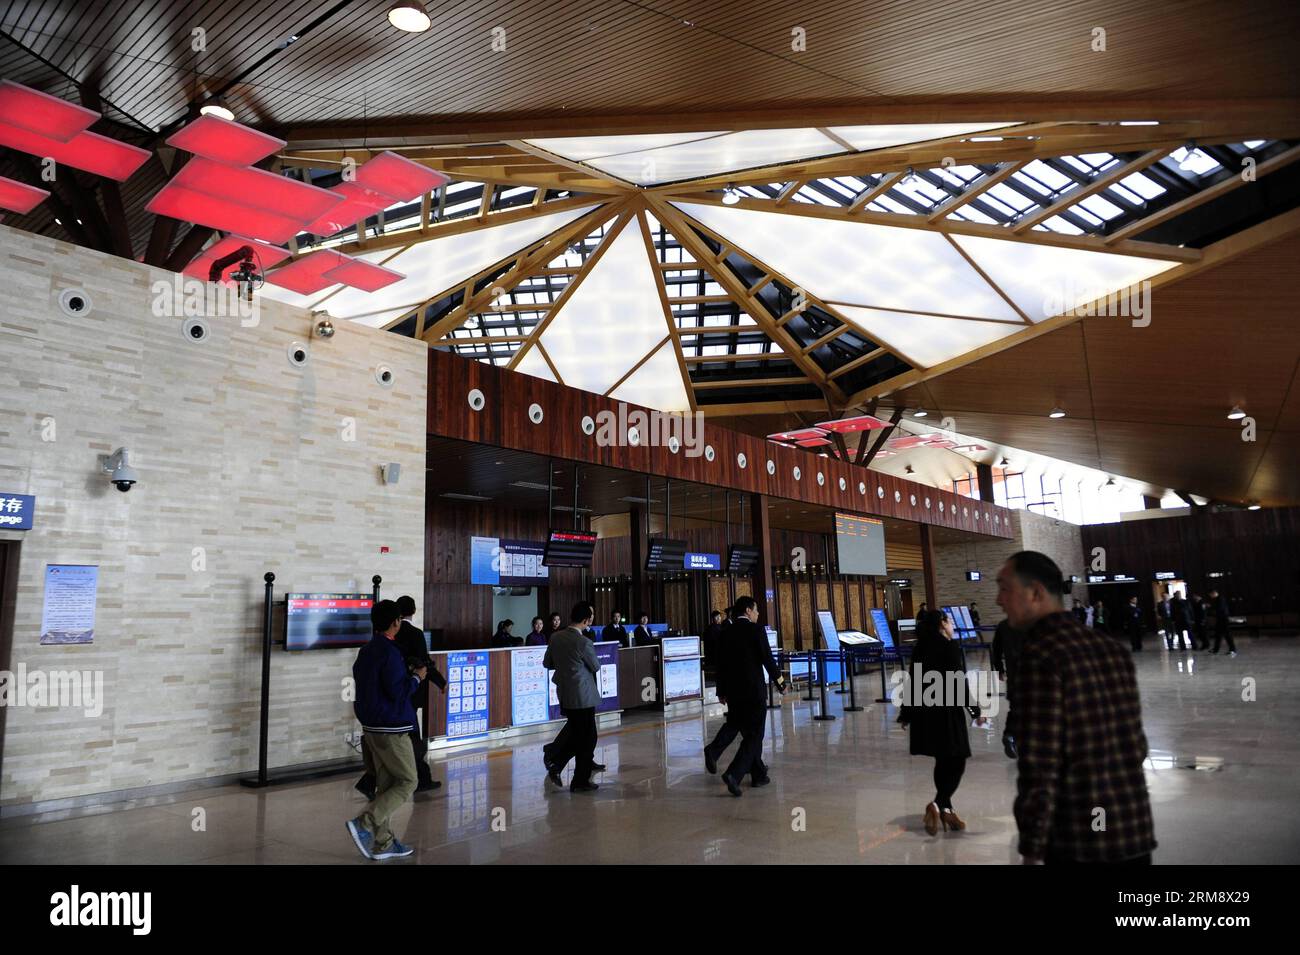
(1073, 723)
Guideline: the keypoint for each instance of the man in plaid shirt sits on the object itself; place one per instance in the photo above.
(1081, 795)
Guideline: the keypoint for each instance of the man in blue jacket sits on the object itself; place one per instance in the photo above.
(384, 684)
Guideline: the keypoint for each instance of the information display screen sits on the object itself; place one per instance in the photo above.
(741, 559)
(826, 621)
(860, 544)
(324, 621)
(673, 647)
(681, 679)
(663, 553)
(506, 563)
(570, 548)
(881, 624)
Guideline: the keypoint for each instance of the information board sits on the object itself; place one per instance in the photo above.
(681, 680)
(880, 622)
(69, 612)
(467, 693)
(694, 561)
(529, 698)
(606, 681)
(506, 563)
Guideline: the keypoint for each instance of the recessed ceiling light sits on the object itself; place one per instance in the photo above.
(985, 139)
(1056, 413)
(919, 413)
(217, 107)
(1139, 122)
(1236, 414)
(409, 15)
(1253, 506)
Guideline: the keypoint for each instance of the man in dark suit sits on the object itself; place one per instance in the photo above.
(572, 658)
(410, 642)
(615, 630)
(1221, 614)
(744, 656)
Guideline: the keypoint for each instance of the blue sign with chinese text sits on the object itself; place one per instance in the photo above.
(16, 511)
(702, 561)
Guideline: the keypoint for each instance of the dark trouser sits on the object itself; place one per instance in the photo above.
(728, 732)
(1135, 638)
(576, 741)
(1057, 859)
(1221, 633)
(947, 777)
(419, 746)
(1199, 639)
(751, 722)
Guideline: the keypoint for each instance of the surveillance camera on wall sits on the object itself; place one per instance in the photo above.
(119, 470)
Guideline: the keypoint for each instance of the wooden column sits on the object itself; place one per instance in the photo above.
(927, 567)
(634, 539)
(984, 473)
(764, 581)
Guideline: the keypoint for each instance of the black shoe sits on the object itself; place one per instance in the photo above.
(760, 781)
(710, 763)
(553, 777)
(598, 767)
(1009, 746)
(366, 788)
(428, 786)
(733, 785)
(587, 787)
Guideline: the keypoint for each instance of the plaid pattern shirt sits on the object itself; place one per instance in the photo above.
(1081, 746)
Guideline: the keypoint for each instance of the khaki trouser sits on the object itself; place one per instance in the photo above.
(390, 759)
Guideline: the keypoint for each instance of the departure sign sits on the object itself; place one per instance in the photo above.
(741, 559)
(695, 561)
(570, 549)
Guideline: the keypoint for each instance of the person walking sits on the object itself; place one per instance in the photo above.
(938, 728)
(1180, 614)
(1133, 623)
(1221, 632)
(1199, 639)
(743, 655)
(1081, 792)
(384, 684)
(1005, 655)
(572, 658)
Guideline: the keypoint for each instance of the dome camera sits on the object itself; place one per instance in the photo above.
(119, 470)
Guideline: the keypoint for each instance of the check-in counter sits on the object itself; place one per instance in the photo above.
(503, 688)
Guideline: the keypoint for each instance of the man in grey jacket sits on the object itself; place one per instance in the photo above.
(572, 657)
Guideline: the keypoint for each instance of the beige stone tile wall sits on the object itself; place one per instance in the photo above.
(240, 454)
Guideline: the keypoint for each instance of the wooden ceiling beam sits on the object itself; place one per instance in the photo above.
(1004, 172)
(753, 383)
(737, 356)
(1100, 182)
(762, 408)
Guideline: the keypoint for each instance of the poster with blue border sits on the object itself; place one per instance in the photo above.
(529, 681)
(467, 693)
(69, 613)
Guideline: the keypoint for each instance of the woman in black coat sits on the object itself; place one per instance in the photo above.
(936, 715)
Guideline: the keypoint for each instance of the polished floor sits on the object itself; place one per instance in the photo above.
(1224, 775)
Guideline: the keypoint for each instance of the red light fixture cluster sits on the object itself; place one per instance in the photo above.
(864, 422)
(802, 438)
(320, 270)
(51, 128)
(267, 255)
(20, 197)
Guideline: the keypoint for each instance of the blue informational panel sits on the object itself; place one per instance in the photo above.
(467, 693)
(694, 561)
(16, 511)
(506, 563)
(881, 624)
(967, 622)
(529, 696)
(681, 680)
(69, 613)
(606, 681)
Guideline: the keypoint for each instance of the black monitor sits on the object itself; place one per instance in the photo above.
(569, 549)
(327, 621)
(741, 559)
(663, 553)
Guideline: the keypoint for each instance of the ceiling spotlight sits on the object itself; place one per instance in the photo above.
(1003, 463)
(1189, 157)
(1056, 413)
(919, 413)
(910, 178)
(1236, 414)
(216, 106)
(409, 15)
(1253, 506)
(909, 469)
(730, 196)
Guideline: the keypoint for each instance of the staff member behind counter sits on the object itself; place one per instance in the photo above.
(642, 633)
(615, 630)
(537, 638)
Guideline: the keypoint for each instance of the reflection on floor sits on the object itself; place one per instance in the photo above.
(843, 791)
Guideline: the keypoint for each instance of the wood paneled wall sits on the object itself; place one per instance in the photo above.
(1260, 550)
(504, 422)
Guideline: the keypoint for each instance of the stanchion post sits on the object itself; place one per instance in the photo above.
(809, 655)
(853, 695)
(821, 672)
(375, 581)
(842, 690)
(884, 689)
(264, 727)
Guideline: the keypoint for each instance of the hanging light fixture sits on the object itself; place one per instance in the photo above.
(409, 15)
(919, 413)
(1188, 161)
(730, 195)
(1056, 413)
(216, 106)
(1236, 414)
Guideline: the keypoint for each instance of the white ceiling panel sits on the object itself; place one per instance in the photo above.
(926, 340)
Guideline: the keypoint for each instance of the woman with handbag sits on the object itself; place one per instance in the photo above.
(936, 710)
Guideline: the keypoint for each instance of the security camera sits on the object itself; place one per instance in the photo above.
(119, 470)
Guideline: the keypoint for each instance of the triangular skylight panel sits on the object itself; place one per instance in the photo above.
(532, 363)
(860, 263)
(611, 319)
(433, 266)
(586, 148)
(1046, 281)
(926, 340)
(880, 137)
(657, 384)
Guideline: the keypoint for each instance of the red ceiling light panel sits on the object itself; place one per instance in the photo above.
(256, 188)
(48, 127)
(224, 141)
(399, 177)
(20, 197)
(864, 422)
(812, 442)
(187, 205)
(319, 270)
(359, 204)
(363, 275)
(803, 434)
(265, 255)
(42, 113)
